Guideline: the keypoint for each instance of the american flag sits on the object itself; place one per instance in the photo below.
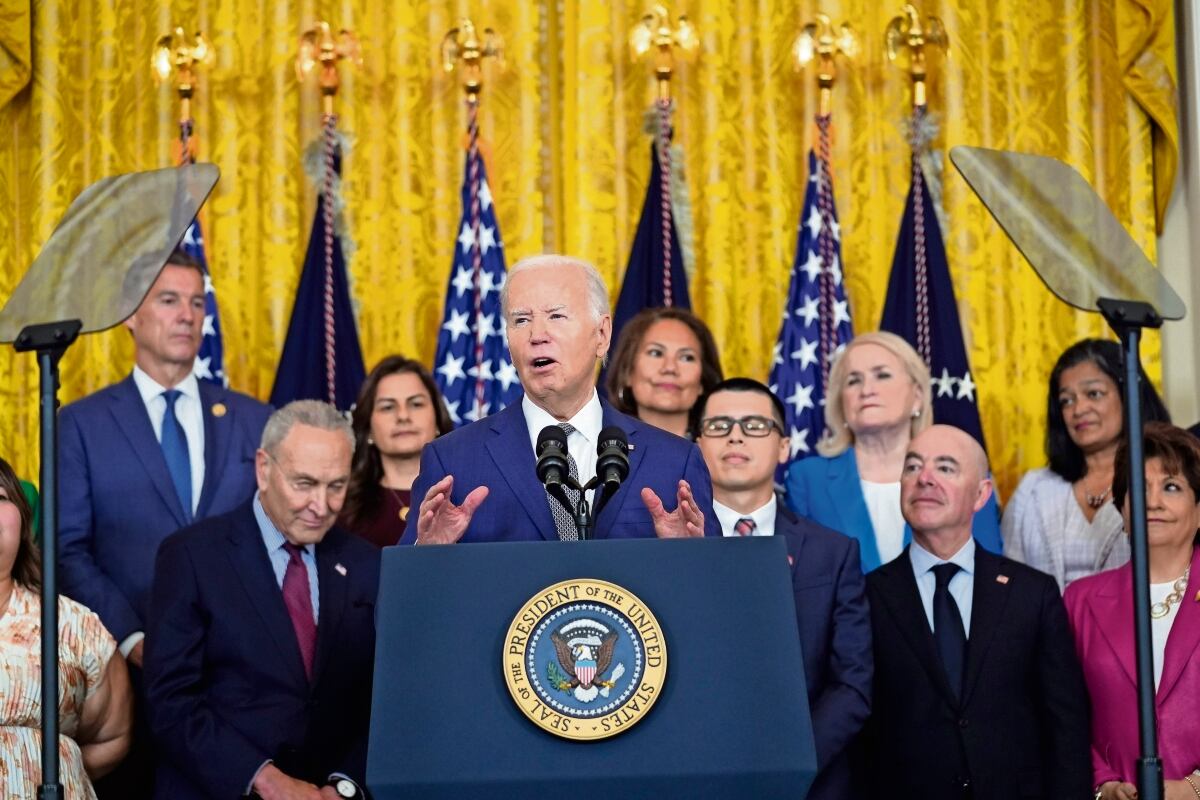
(816, 320)
(920, 304)
(210, 362)
(473, 368)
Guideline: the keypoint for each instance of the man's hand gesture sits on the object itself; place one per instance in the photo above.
(685, 520)
(439, 521)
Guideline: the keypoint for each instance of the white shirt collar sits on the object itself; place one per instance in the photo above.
(150, 389)
(923, 560)
(764, 517)
(588, 420)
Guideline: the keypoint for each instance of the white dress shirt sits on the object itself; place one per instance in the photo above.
(883, 509)
(764, 518)
(581, 444)
(190, 414)
(962, 585)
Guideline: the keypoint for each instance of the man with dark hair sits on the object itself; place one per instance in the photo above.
(739, 426)
(142, 458)
(978, 692)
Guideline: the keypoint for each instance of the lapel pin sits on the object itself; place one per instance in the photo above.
(791, 561)
(340, 570)
(1002, 579)
(632, 447)
(218, 409)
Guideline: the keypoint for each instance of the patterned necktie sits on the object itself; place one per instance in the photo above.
(744, 527)
(948, 629)
(175, 451)
(565, 520)
(297, 598)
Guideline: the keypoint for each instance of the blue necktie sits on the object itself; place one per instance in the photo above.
(175, 451)
(948, 629)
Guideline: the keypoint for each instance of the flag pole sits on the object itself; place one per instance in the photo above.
(654, 34)
(320, 48)
(463, 45)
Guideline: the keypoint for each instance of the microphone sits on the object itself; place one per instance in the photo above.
(612, 458)
(551, 450)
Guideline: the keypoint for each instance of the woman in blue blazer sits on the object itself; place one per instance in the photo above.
(879, 398)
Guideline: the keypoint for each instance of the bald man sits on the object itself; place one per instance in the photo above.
(977, 690)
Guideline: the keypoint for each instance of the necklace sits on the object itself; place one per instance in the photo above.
(1160, 610)
(1096, 500)
(403, 513)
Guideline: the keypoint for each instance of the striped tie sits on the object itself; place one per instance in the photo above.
(744, 527)
(564, 520)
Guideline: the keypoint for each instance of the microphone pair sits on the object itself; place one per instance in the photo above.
(612, 459)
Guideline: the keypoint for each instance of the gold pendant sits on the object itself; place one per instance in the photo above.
(403, 513)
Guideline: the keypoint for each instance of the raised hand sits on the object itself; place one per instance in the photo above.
(685, 520)
(439, 521)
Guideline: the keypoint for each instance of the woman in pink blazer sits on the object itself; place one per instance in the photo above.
(1101, 612)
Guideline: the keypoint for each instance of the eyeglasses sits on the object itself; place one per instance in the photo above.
(754, 426)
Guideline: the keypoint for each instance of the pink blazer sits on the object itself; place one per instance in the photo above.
(1101, 611)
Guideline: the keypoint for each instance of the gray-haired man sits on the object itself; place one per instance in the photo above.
(262, 634)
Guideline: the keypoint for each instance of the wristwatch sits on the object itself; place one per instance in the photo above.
(345, 788)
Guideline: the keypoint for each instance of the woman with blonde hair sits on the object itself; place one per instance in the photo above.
(879, 398)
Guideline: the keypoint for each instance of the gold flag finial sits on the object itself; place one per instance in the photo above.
(655, 32)
(319, 47)
(906, 40)
(174, 54)
(464, 44)
(821, 42)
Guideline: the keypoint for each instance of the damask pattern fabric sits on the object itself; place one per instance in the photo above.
(1084, 81)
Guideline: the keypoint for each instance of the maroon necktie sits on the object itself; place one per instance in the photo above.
(298, 600)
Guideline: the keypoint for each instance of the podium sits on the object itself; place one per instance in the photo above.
(731, 718)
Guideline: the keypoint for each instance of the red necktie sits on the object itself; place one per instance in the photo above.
(298, 600)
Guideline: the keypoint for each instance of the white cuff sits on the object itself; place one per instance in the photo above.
(126, 647)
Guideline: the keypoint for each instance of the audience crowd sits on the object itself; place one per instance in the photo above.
(219, 561)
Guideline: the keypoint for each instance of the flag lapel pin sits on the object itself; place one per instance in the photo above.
(340, 570)
(1002, 579)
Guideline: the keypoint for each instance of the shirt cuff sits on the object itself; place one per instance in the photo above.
(254, 777)
(130, 641)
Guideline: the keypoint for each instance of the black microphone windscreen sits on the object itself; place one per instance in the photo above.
(551, 436)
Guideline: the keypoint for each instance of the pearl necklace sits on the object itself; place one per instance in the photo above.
(1160, 610)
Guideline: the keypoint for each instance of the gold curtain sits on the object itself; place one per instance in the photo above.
(1088, 82)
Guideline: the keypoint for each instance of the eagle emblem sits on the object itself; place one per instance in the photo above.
(585, 651)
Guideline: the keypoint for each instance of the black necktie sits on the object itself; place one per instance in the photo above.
(948, 627)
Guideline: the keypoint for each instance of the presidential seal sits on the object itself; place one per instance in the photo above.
(584, 659)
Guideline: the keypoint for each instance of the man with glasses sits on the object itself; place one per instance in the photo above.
(739, 427)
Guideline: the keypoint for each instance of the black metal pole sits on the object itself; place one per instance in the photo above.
(1128, 319)
(50, 788)
(50, 340)
(1149, 765)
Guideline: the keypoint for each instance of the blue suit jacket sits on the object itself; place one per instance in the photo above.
(118, 503)
(225, 683)
(829, 491)
(835, 637)
(495, 452)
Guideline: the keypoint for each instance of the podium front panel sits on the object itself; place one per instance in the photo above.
(732, 719)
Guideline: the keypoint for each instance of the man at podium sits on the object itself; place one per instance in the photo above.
(739, 425)
(479, 483)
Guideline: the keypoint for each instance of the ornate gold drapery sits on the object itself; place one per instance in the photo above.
(1091, 83)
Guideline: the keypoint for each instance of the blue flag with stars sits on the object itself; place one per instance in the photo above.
(472, 368)
(816, 320)
(210, 361)
(920, 304)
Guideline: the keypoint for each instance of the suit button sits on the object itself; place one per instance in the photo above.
(962, 723)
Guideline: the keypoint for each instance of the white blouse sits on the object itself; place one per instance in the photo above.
(883, 507)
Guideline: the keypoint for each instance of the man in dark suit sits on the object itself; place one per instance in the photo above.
(262, 637)
(142, 458)
(739, 426)
(556, 314)
(978, 693)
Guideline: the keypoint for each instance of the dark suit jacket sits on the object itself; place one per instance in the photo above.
(1021, 728)
(835, 637)
(117, 500)
(225, 683)
(495, 452)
